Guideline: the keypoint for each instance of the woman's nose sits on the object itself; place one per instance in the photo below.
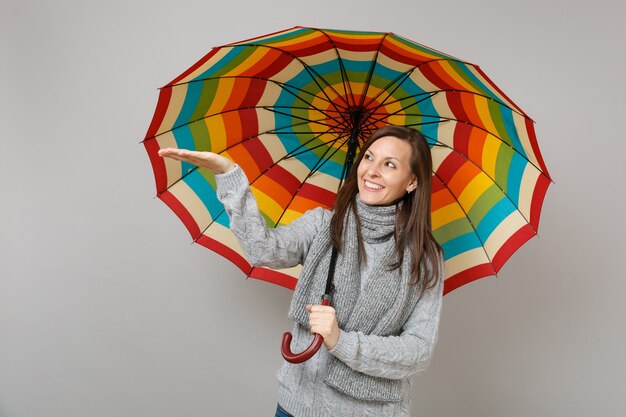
(373, 170)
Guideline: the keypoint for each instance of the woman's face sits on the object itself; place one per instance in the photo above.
(384, 174)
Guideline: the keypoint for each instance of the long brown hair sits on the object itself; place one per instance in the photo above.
(413, 230)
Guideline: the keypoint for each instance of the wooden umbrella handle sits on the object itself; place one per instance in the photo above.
(308, 352)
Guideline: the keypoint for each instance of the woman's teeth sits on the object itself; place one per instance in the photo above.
(373, 186)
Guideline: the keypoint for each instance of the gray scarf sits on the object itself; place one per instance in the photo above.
(382, 309)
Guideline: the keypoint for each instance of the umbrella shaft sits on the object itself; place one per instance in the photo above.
(353, 144)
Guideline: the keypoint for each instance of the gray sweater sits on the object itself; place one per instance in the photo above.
(301, 388)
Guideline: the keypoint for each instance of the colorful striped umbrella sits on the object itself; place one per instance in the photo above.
(293, 107)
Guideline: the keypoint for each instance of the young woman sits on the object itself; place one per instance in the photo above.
(388, 281)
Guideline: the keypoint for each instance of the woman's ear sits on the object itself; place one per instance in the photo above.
(412, 185)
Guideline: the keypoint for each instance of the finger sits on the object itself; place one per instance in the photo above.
(320, 329)
(322, 309)
(165, 152)
(185, 155)
(172, 153)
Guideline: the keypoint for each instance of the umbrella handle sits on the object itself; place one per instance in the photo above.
(308, 352)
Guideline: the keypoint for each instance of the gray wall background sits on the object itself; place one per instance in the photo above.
(106, 309)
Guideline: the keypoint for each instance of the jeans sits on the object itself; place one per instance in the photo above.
(281, 413)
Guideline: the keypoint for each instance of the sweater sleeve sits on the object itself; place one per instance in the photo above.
(396, 357)
(281, 247)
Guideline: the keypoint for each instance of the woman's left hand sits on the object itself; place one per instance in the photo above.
(323, 321)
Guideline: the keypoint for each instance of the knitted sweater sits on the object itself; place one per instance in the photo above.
(301, 388)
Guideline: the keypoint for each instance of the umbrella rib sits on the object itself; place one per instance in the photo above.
(336, 149)
(319, 121)
(371, 122)
(340, 123)
(370, 73)
(342, 69)
(313, 171)
(398, 81)
(482, 244)
(390, 93)
(293, 155)
(282, 85)
(295, 152)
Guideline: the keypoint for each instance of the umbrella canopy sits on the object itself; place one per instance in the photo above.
(292, 108)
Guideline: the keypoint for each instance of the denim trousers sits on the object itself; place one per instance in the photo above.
(281, 413)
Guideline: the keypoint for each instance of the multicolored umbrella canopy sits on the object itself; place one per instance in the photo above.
(293, 107)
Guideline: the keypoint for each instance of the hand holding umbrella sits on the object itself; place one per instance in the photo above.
(323, 321)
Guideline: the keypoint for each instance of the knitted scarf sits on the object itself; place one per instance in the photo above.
(382, 309)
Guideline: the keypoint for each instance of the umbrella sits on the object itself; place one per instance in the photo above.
(292, 108)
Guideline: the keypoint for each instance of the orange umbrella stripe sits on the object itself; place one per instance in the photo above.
(441, 199)
(245, 160)
(476, 145)
(274, 190)
(462, 177)
(302, 204)
(235, 130)
(468, 102)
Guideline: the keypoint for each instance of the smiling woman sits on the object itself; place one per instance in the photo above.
(395, 167)
(385, 173)
(388, 286)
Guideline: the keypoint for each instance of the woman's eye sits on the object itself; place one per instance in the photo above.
(368, 157)
(390, 165)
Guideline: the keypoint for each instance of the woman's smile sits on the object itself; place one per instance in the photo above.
(370, 186)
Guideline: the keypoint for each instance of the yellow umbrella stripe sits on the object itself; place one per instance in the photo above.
(446, 214)
(267, 205)
(474, 190)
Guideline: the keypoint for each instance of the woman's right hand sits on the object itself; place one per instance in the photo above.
(209, 160)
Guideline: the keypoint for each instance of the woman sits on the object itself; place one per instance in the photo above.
(388, 281)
